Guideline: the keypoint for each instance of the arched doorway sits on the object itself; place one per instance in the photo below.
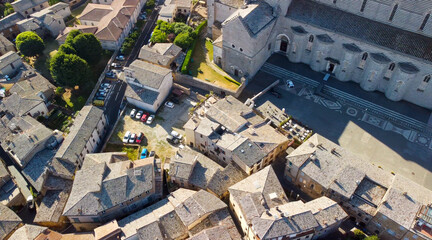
(218, 61)
(282, 43)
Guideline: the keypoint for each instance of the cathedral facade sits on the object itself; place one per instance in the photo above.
(383, 45)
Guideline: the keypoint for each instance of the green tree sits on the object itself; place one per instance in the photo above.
(72, 34)
(69, 69)
(29, 44)
(88, 47)
(52, 2)
(8, 9)
(67, 49)
(179, 27)
(183, 40)
(150, 4)
(158, 36)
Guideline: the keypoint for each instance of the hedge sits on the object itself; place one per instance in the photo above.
(184, 68)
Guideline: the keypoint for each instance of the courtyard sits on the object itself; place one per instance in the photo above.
(384, 142)
(166, 120)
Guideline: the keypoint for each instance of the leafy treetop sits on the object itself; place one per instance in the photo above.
(29, 44)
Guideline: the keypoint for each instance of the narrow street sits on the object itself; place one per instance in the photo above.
(144, 36)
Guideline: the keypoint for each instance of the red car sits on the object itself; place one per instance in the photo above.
(144, 117)
(139, 138)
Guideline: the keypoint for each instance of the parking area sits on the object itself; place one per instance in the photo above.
(155, 134)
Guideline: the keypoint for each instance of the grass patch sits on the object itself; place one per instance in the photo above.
(209, 47)
(42, 62)
(77, 11)
(199, 68)
(131, 151)
(57, 120)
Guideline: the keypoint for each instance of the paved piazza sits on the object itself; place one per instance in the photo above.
(392, 135)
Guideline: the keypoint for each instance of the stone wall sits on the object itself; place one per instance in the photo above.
(198, 83)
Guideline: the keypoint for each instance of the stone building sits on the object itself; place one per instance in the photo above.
(354, 41)
(184, 213)
(264, 211)
(148, 85)
(84, 137)
(229, 131)
(106, 188)
(385, 204)
(5, 45)
(110, 21)
(27, 7)
(191, 169)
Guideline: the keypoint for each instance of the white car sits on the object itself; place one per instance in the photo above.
(289, 84)
(169, 104)
(150, 119)
(126, 137)
(139, 114)
(132, 113)
(132, 138)
(176, 135)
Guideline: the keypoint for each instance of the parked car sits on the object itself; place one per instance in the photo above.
(172, 140)
(289, 84)
(144, 117)
(101, 94)
(152, 153)
(132, 138)
(139, 137)
(116, 65)
(106, 85)
(120, 58)
(110, 74)
(138, 115)
(126, 137)
(169, 104)
(132, 113)
(176, 135)
(150, 119)
(99, 98)
(144, 153)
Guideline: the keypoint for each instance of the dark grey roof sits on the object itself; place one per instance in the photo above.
(257, 19)
(352, 47)
(52, 205)
(62, 168)
(342, 22)
(148, 74)
(80, 132)
(198, 205)
(112, 184)
(151, 231)
(8, 58)
(408, 67)
(249, 153)
(22, 5)
(215, 233)
(325, 38)
(10, 21)
(27, 231)
(299, 29)
(222, 180)
(141, 94)
(36, 169)
(9, 220)
(380, 57)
